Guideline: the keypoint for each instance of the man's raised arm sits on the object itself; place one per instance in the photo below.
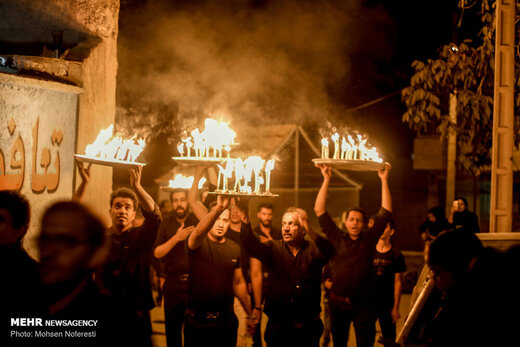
(206, 223)
(321, 198)
(196, 206)
(145, 200)
(386, 197)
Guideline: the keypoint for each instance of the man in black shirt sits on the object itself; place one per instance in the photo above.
(292, 300)
(352, 265)
(170, 249)
(126, 274)
(388, 268)
(258, 273)
(265, 229)
(215, 277)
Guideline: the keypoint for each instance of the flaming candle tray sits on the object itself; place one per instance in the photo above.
(245, 195)
(198, 160)
(353, 165)
(108, 162)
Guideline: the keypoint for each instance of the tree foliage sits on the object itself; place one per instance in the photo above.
(466, 69)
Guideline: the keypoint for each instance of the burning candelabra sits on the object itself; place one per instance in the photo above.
(249, 175)
(352, 148)
(208, 144)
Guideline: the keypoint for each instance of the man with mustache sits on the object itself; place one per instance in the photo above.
(170, 249)
(351, 267)
(294, 264)
(215, 277)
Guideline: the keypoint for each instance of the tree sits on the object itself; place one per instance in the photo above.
(466, 69)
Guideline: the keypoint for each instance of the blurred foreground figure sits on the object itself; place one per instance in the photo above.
(72, 247)
(479, 286)
(18, 271)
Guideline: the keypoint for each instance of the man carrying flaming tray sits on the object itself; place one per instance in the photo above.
(215, 278)
(352, 265)
(126, 275)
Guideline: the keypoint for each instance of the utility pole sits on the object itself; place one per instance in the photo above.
(451, 172)
(501, 213)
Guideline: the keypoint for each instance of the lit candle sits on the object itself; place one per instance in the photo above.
(361, 147)
(180, 148)
(228, 174)
(353, 149)
(344, 148)
(220, 172)
(239, 172)
(228, 149)
(189, 144)
(324, 148)
(335, 138)
(268, 167)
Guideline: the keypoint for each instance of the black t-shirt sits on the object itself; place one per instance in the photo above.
(211, 270)
(384, 267)
(466, 219)
(352, 265)
(127, 271)
(276, 233)
(175, 262)
(294, 289)
(244, 256)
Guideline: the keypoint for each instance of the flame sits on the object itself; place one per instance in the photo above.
(269, 165)
(112, 146)
(216, 137)
(352, 147)
(243, 171)
(182, 182)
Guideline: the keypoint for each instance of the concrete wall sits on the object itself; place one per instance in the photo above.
(37, 142)
(90, 34)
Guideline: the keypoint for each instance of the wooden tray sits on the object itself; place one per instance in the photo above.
(353, 165)
(108, 162)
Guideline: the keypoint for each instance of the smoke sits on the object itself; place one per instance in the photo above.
(277, 62)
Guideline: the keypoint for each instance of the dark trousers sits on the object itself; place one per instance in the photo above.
(283, 332)
(388, 328)
(141, 328)
(257, 337)
(200, 331)
(326, 321)
(363, 317)
(174, 292)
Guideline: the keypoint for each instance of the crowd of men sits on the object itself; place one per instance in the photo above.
(217, 273)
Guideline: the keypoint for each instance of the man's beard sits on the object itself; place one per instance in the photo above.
(180, 213)
(266, 223)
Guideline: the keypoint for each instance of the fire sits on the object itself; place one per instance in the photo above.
(113, 146)
(183, 182)
(209, 143)
(250, 175)
(352, 148)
